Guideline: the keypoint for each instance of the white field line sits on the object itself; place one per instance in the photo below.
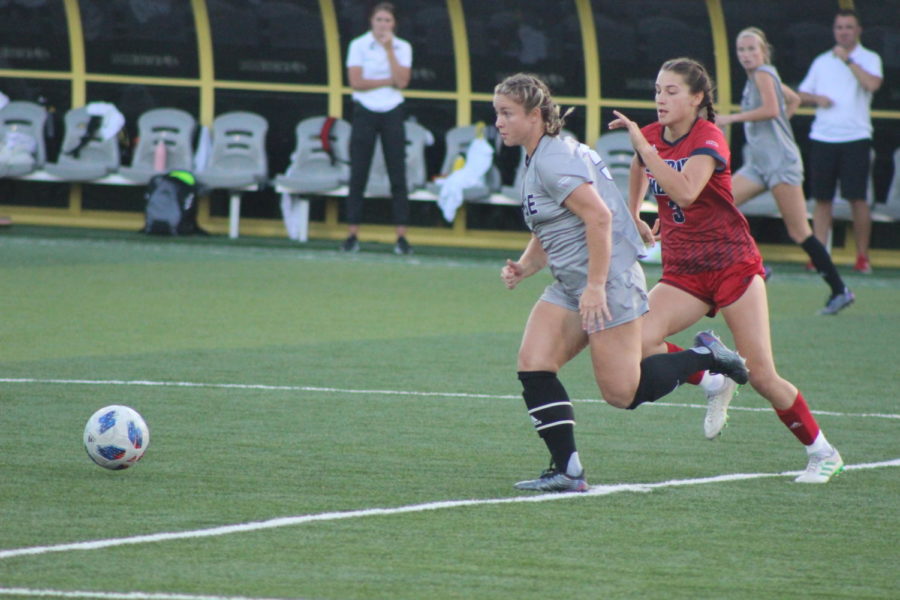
(330, 390)
(38, 593)
(597, 490)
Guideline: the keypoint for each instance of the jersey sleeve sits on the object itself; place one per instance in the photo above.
(560, 173)
(710, 141)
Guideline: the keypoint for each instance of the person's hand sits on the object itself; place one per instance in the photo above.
(824, 101)
(648, 235)
(841, 52)
(592, 306)
(387, 40)
(634, 131)
(512, 273)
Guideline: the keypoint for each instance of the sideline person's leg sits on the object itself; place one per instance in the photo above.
(362, 148)
(393, 141)
(855, 165)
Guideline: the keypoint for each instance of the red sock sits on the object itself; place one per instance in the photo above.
(800, 421)
(695, 378)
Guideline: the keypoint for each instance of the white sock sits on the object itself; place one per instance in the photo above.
(574, 469)
(712, 382)
(820, 445)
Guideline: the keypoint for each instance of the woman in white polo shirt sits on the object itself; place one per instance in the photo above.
(378, 67)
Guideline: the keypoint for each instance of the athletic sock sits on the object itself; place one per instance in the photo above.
(820, 445)
(662, 373)
(820, 258)
(800, 421)
(551, 414)
(695, 378)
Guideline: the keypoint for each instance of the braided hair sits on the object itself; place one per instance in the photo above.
(529, 91)
(697, 79)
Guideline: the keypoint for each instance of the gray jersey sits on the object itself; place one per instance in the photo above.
(556, 168)
(771, 142)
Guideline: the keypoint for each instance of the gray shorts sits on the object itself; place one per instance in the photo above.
(790, 173)
(626, 296)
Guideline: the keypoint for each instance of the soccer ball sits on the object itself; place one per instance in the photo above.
(116, 437)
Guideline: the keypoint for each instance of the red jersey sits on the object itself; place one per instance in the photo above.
(711, 233)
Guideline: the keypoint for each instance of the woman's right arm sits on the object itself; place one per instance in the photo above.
(637, 189)
(533, 259)
(361, 84)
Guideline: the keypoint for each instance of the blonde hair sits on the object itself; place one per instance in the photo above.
(529, 91)
(761, 36)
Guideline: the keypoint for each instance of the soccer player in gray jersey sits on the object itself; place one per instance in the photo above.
(582, 229)
(773, 158)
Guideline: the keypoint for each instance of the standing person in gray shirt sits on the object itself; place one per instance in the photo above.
(773, 158)
(582, 229)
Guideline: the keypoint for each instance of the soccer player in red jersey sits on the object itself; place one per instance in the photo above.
(710, 261)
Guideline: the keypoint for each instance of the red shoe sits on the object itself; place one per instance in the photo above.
(862, 265)
(810, 267)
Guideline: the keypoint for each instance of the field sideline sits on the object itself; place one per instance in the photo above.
(330, 426)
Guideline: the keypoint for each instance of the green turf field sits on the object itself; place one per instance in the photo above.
(349, 427)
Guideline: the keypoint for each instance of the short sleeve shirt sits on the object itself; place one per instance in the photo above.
(848, 119)
(557, 167)
(366, 52)
(711, 233)
(771, 141)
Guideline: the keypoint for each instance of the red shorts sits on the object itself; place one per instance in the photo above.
(718, 288)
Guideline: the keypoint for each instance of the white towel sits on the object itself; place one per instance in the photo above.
(479, 158)
(112, 121)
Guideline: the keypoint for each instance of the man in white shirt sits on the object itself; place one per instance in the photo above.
(379, 65)
(840, 83)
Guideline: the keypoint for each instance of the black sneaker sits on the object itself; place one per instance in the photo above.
(402, 246)
(351, 244)
(727, 361)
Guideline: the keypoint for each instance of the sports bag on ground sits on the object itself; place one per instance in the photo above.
(171, 204)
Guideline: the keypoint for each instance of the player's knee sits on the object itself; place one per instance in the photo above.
(617, 395)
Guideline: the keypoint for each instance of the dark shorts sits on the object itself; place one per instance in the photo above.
(717, 288)
(844, 162)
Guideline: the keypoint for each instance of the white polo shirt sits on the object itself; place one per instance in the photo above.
(366, 52)
(848, 119)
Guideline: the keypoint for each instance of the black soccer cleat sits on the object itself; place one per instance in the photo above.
(727, 361)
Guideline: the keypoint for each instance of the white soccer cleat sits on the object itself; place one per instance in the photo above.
(717, 408)
(822, 467)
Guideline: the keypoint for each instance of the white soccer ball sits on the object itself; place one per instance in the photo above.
(116, 437)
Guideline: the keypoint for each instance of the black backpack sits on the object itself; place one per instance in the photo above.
(171, 204)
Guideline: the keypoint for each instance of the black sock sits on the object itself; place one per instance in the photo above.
(662, 373)
(551, 413)
(819, 256)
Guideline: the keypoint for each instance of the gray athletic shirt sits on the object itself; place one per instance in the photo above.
(556, 168)
(771, 142)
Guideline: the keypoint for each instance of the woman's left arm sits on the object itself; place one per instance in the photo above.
(791, 100)
(400, 75)
(682, 187)
(587, 204)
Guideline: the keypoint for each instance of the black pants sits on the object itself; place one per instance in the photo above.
(367, 125)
